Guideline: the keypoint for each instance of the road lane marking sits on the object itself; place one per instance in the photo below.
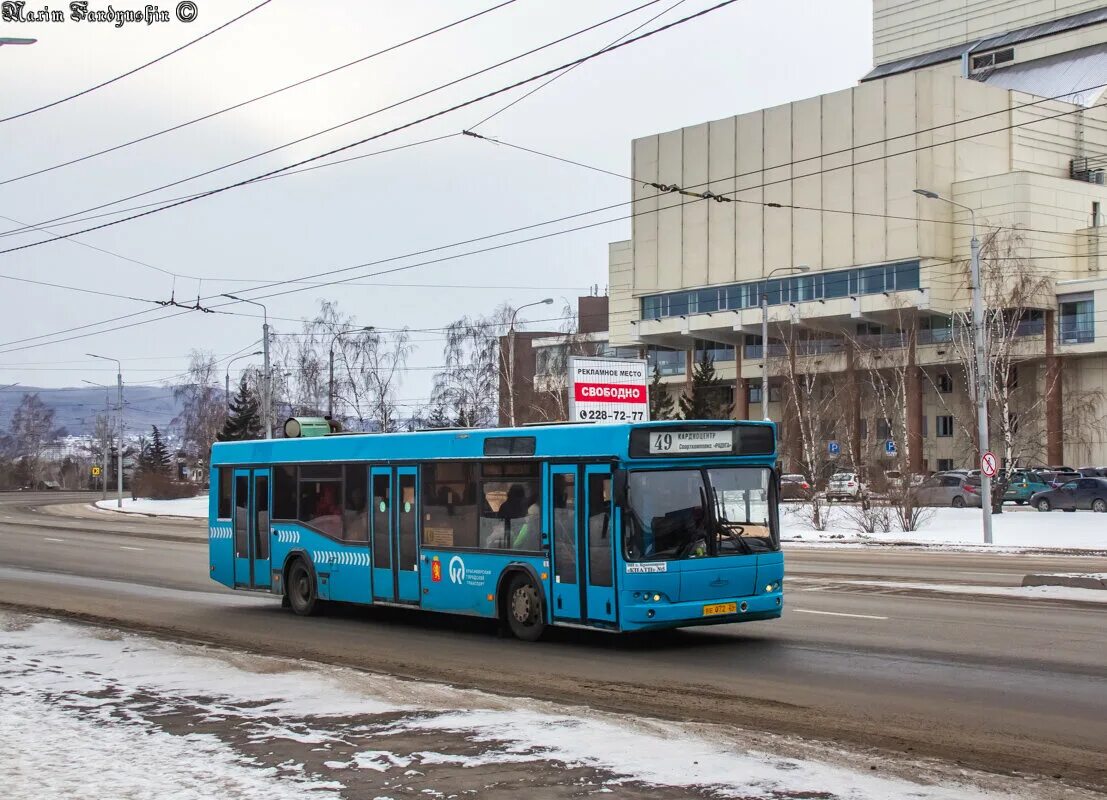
(835, 614)
(48, 539)
(124, 547)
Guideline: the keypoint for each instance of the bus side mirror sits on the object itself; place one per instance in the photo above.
(619, 487)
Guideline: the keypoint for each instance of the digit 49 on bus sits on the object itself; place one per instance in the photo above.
(619, 527)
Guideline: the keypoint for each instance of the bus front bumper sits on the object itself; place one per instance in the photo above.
(642, 615)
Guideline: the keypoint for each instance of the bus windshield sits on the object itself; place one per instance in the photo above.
(696, 513)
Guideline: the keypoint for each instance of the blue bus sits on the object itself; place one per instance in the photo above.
(619, 527)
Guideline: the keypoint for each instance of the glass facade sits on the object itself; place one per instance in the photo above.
(895, 277)
(1076, 318)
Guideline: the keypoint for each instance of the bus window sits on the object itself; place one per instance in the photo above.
(261, 509)
(599, 530)
(408, 549)
(506, 507)
(564, 532)
(284, 492)
(356, 506)
(382, 528)
(449, 504)
(225, 478)
(321, 506)
(242, 516)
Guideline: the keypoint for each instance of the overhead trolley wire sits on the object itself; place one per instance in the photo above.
(260, 97)
(130, 72)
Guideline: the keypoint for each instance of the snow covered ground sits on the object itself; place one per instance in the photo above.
(184, 507)
(93, 713)
(959, 528)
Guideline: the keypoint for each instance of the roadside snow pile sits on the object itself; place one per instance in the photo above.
(196, 507)
(961, 527)
(93, 713)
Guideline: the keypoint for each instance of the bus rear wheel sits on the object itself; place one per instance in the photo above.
(524, 609)
(300, 589)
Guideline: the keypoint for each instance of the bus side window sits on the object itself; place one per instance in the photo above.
(224, 508)
(599, 530)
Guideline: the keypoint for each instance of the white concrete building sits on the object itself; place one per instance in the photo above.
(996, 106)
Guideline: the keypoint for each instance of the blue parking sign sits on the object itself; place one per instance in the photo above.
(833, 448)
(890, 448)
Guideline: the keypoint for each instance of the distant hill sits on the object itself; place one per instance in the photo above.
(75, 409)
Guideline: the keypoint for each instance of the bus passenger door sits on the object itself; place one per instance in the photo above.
(380, 537)
(242, 528)
(259, 535)
(597, 548)
(251, 528)
(405, 564)
(563, 504)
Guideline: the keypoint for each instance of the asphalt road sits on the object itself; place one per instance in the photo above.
(1006, 685)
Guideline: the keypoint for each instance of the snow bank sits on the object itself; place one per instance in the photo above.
(83, 709)
(196, 507)
(1082, 530)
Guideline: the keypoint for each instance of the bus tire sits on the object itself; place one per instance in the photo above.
(523, 608)
(300, 589)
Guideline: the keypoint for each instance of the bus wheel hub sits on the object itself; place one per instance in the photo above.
(521, 605)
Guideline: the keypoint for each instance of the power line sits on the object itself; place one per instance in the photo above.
(360, 118)
(265, 96)
(136, 69)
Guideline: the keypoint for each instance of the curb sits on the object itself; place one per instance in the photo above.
(1074, 581)
(95, 507)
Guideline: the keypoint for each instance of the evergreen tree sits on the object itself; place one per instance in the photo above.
(244, 420)
(661, 402)
(157, 457)
(706, 397)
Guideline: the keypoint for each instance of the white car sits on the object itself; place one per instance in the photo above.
(844, 486)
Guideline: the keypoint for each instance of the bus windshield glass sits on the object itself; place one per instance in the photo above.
(697, 513)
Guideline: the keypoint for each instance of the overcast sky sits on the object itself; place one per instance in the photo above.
(752, 54)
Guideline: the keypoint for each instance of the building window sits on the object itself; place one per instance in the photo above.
(774, 392)
(863, 429)
(668, 362)
(1076, 313)
(715, 351)
(945, 382)
(754, 393)
(883, 429)
(923, 430)
(945, 464)
(943, 426)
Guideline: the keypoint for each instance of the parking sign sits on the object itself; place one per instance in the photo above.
(889, 448)
(833, 449)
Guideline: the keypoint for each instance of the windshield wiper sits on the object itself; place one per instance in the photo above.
(725, 525)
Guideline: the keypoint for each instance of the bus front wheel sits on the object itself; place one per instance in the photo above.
(300, 589)
(524, 608)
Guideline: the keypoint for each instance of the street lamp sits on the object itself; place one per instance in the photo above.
(119, 453)
(15, 40)
(267, 383)
(330, 382)
(227, 376)
(765, 336)
(104, 454)
(978, 347)
(511, 357)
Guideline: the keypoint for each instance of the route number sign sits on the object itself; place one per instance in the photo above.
(988, 464)
(608, 390)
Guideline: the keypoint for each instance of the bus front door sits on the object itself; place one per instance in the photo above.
(380, 536)
(251, 529)
(565, 590)
(597, 544)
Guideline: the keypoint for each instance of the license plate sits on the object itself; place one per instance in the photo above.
(720, 608)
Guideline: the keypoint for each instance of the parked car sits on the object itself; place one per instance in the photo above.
(1056, 478)
(945, 489)
(1022, 485)
(1092, 472)
(1082, 493)
(845, 486)
(795, 487)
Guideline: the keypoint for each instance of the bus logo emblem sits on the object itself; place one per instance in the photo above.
(436, 570)
(457, 570)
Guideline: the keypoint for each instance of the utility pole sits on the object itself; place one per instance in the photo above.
(330, 381)
(119, 453)
(765, 337)
(106, 443)
(981, 361)
(511, 358)
(267, 382)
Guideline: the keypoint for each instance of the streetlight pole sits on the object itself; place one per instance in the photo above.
(104, 452)
(980, 359)
(227, 376)
(330, 381)
(765, 338)
(267, 385)
(119, 452)
(511, 358)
